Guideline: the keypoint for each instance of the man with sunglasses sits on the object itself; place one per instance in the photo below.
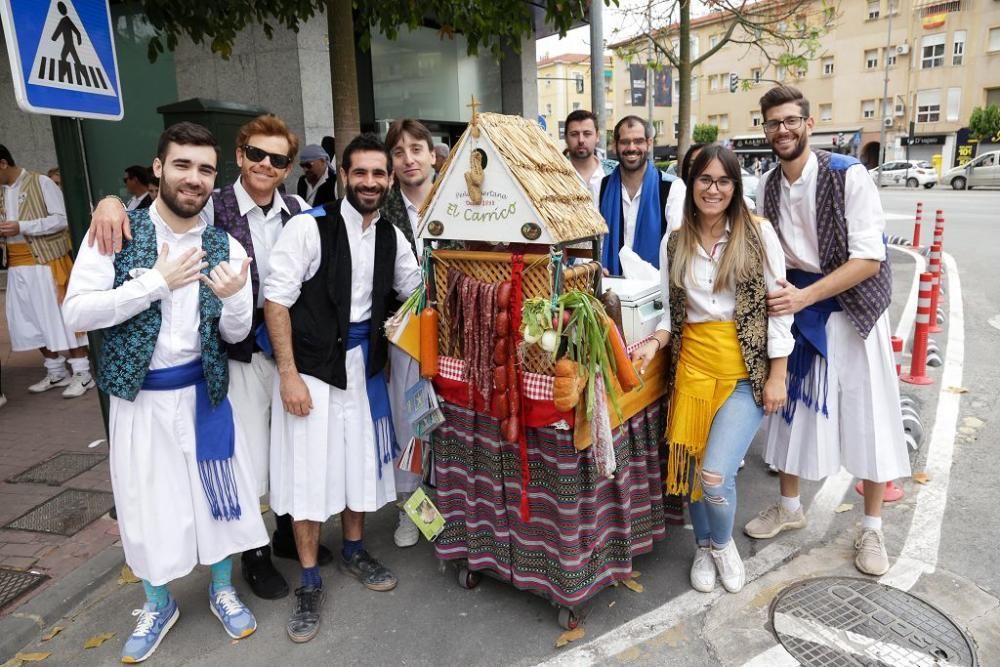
(253, 212)
(318, 183)
(843, 396)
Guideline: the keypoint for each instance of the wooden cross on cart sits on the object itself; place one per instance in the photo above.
(475, 126)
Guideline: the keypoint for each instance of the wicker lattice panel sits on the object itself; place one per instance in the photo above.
(494, 267)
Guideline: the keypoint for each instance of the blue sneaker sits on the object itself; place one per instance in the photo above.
(152, 627)
(238, 621)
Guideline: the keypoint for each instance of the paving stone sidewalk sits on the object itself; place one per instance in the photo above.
(34, 428)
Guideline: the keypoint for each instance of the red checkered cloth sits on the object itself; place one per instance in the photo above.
(536, 387)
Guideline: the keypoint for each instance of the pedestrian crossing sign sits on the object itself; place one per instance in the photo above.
(62, 55)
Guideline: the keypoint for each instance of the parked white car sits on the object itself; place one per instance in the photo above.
(983, 171)
(910, 173)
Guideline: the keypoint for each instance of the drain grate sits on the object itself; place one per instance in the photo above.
(62, 467)
(65, 514)
(851, 622)
(14, 583)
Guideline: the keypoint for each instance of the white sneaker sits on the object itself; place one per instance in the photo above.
(871, 557)
(773, 520)
(50, 382)
(703, 571)
(407, 534)
(78, 385)
(730, 567)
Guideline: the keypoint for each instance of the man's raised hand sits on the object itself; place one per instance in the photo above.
(181, 271)
(224, 281)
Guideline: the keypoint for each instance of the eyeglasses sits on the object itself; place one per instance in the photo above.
(254, 154)
(304, 165)
(724, 184)
(790, 123)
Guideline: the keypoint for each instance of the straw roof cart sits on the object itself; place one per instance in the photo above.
(525, 496)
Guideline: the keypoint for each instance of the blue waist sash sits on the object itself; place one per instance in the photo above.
(807, 379)
(358, 335)
(215, 436)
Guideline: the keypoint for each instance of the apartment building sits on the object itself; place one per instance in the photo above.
(564, 86)
(943, 60)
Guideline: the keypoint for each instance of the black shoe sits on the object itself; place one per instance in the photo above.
(283, 542)
(259, 572)
(369, 571)
(303, 624)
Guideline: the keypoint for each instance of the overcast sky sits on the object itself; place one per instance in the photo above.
(619, 23)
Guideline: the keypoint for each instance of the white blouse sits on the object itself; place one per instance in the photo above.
(705, 305)
(93, 303)
(295, 259)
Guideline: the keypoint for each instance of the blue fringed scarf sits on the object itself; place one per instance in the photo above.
(807, 380)
(215, 436)
(386, 448)
(648, 223)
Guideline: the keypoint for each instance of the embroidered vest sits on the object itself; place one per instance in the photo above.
(229, 220)
(866, 301)
(127, 348)
(321, 315)
(750, 316)
(394, 210)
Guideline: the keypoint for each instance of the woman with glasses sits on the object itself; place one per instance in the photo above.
(728, 355)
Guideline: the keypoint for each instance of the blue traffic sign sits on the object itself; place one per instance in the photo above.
(62, 56)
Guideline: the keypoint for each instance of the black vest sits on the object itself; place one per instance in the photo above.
(321, 315)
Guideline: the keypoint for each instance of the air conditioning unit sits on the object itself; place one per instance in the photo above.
(903, 49)
(887, 121)
(900, 110)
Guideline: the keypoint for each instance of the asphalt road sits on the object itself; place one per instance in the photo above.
(430, 620)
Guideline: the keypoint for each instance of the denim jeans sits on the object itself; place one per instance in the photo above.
(732, 431)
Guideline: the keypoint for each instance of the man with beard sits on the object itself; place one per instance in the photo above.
(412, 149)
(581, 144)
(638, 202)
(317, 184)
(843, 397)
(253, 212)
(181, 477)
(336, 274)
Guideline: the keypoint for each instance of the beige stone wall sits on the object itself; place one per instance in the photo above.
(558, 96)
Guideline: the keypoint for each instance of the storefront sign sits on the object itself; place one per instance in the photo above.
(925, 140)
(755, 142)
(965, 147)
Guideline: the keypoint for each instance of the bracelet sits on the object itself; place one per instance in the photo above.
(120, 201)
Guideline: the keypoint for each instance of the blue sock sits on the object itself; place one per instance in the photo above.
(222, 573)
(158, 595)
(351, 547)
(310, 577)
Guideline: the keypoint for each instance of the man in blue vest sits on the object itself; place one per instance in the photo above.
(638, 202)
(167, 304)
(253, 211)
(843, 395)
(336, 274)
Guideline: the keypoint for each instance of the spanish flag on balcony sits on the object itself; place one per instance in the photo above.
(932, 21)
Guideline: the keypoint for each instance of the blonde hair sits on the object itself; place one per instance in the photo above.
(744, 253)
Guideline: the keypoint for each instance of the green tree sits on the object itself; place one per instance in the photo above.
(705, 133)
(984, 124)
(785, 34)
(493, 25)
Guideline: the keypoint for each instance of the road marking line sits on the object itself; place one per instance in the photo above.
(904, 328)
(920, 550)
(656, 621)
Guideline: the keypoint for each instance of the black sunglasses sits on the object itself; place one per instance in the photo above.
(254, 154)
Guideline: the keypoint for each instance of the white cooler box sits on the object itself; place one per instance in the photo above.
(642, 306)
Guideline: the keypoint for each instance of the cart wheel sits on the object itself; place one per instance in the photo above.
(568, 620)
(468, 579)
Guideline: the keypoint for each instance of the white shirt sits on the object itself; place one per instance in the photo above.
(705, 305)
(413, 213)
(673, 209)
(264, 227)
(54, 222)
(295, 259)
(134, 202)
(797, 227)
(594, 184)
(311, 189)
(92, 302)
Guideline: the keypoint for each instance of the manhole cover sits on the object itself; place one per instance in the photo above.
(65, 514)
(849, 622)
(62, 467)
(14, 583)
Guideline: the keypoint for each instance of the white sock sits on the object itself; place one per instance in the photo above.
(790, 504)
(80, 366)
(871, 523)
(56, 367)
